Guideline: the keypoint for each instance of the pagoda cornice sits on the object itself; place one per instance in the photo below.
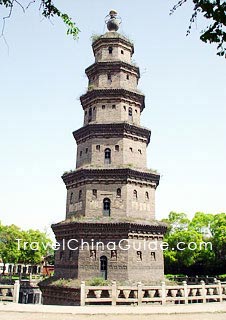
(112, 130)
(149, 229)
(122, 174)
(91, 96)
(107, 66)
(112, 38)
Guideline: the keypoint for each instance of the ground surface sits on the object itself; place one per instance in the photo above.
(211, 311)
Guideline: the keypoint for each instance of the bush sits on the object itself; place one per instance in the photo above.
(97, 282)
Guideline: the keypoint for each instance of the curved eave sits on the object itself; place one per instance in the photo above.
(111, 130)
(108, 66)
(152, 227)
(120, 174)
(91, 95)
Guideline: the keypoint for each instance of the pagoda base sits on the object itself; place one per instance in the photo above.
(121, 251)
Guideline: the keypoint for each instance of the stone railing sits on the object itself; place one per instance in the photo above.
(10, 292)
(163, 294)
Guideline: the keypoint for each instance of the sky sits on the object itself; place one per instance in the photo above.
(42, 76)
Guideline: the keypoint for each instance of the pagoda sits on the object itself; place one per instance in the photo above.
(110, 229)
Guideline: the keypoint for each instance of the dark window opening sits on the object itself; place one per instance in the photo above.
(109, 76)
(85, 113)
(119, 193)
(139, 150)
(122, 52)
(117, 148)
(87, 150)
(93, 254)
(146, 195)
(135, 194)
(80, 153)
(139, 256)
(153, 257)
(124, 108)
(80, 195)
(71, 198)
(103, 107)
(127, 77)
(114, 255)
(95, 193)
(103, 266)
(90, 112)
(131, 149)
(98, 147)
(113, 106)
(107, 156)
(110, 50)
(106, 207)
(130, 113)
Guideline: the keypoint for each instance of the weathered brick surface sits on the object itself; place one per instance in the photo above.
(85, 194)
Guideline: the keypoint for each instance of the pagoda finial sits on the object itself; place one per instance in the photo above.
(113, 21)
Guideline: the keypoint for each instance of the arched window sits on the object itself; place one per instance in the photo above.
(119, 193)
(110, 50)
(90, 114)
(117, 147)
(107, 156)
(106, 207)
(135, 194)
(71, 198)
(130, 114)
(95, 193)
(80, 195)
(109, 76)
(146, 195)
(103, 266)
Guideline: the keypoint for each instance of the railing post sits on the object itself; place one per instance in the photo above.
(220, 291)
(113, 293)
(185, 292)
(163, 292)
(83, 294)
(16, 291)
(203, 291)
(139, 294)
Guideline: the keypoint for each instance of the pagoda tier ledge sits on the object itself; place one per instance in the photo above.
(108, 66)
(120, 93)
(88, 226)
(124, 174)
(111, 130)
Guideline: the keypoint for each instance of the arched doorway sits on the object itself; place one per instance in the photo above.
(107, 156)
(103, 267)
(106, 207)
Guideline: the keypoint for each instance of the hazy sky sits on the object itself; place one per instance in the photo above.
(43, 76)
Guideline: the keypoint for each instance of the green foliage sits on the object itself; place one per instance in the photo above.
(98, 281)
(95, 37)
(48, 10)
(201, 260)
(11, 253)
(215, 12)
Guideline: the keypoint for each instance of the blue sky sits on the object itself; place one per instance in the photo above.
(42, 77)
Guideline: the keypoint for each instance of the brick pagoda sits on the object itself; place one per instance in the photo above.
(111, 193)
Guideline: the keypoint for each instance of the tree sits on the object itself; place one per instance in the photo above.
(48, 10)
(8, 248)
(215, 12)
(38, 245)
(202, 260)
